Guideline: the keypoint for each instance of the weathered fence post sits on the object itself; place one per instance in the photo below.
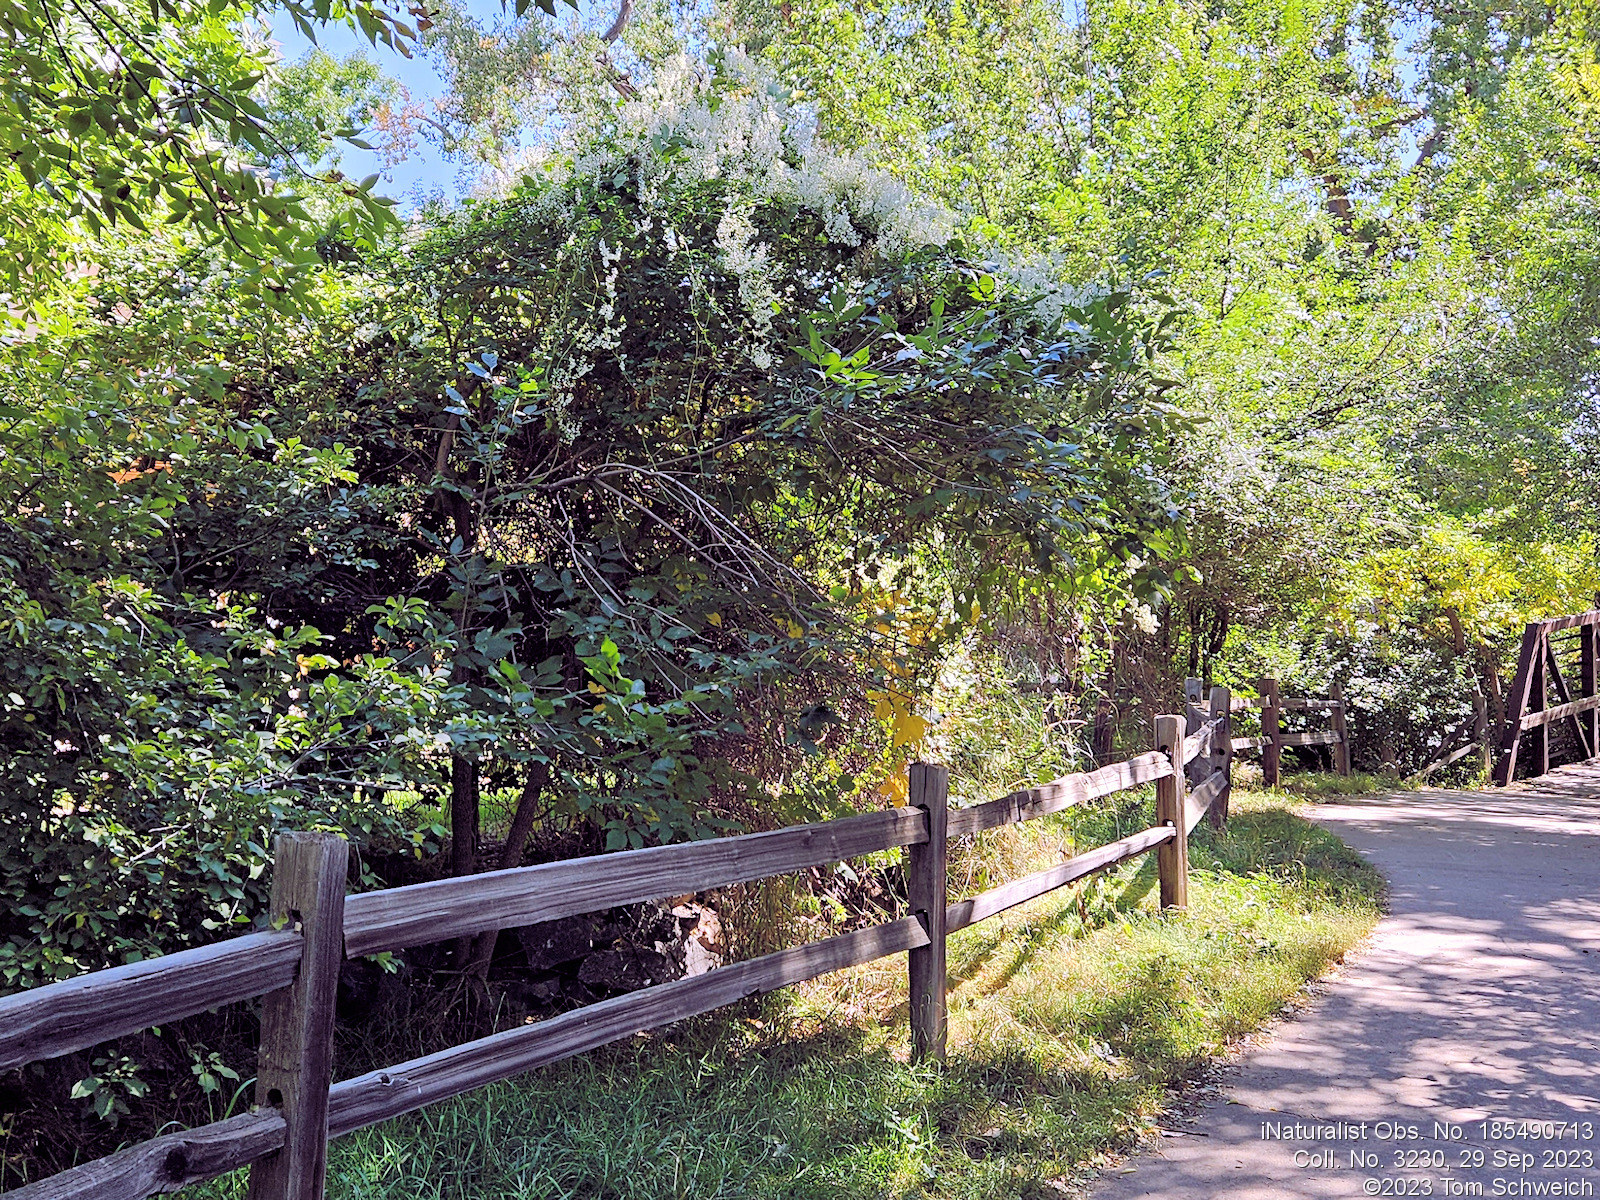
(1341, 731)
(925, 880)
(1517, 701)
(1194, 717)
(296, 1057)
(1537, 699)
(1221, 756)
(1272, 731)
(1172, 858)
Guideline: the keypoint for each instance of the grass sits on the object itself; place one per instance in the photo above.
(1072, 1020)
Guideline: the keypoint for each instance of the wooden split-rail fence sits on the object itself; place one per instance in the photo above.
(1274, 738)
(295, 964)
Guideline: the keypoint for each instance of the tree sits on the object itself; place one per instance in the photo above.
(578, 495)
(126, 114)
(683, 396)
(1371, 221)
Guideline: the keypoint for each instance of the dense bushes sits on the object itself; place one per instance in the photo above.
(606, 494)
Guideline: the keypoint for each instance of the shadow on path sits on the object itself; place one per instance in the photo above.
(1478, 998)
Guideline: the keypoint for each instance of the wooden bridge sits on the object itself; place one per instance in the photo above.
(1553, 652)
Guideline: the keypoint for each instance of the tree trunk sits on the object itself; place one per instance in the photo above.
(463, 836)
(481, 953)
(463, 816)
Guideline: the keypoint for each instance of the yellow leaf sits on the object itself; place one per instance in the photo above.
(895, 789)
(714, 619)
(909, 728)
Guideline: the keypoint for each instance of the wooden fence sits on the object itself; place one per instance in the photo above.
(295, 964)
(1553, 651)
(1273, 737)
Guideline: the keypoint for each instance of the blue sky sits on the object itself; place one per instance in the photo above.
(426, 171)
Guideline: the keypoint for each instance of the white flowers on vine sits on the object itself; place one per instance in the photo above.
(748, 261)
(1041, 277)
(739, 126)
(734, 125)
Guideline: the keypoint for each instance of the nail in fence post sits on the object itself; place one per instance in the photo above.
(295, 1064)
(1221, 756)
(925, 878)
(1172, 858)
(1341, 748)
(1272, 730)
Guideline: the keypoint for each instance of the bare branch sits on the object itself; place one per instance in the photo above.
(624, 11)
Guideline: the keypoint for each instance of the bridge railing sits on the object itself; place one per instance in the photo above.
(1554, 652)
(1465, 738)
(295, 964)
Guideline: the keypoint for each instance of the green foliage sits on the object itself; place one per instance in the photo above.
(107, 1091)
(315, 97)
(698, 470)
(645, 403)
(1372, 224)
(586, 493)
(134, 115)
(155, 736)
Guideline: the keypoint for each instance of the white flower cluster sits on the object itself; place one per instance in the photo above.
(742, 128)
(738, 127)
(1040, 276)
(1144, 618)
(748, 262)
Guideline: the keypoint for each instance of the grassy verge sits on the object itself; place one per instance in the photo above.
(1071, 1020)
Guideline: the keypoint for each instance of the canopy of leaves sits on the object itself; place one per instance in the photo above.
(135, 114)
(593, 492)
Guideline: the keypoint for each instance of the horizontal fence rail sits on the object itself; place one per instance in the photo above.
(1274, 738)
(448, 908)
(78, 1013)
(1059, 794)
(379, 1095)
(167, 1163)
(295, 967)
(1030, 887)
